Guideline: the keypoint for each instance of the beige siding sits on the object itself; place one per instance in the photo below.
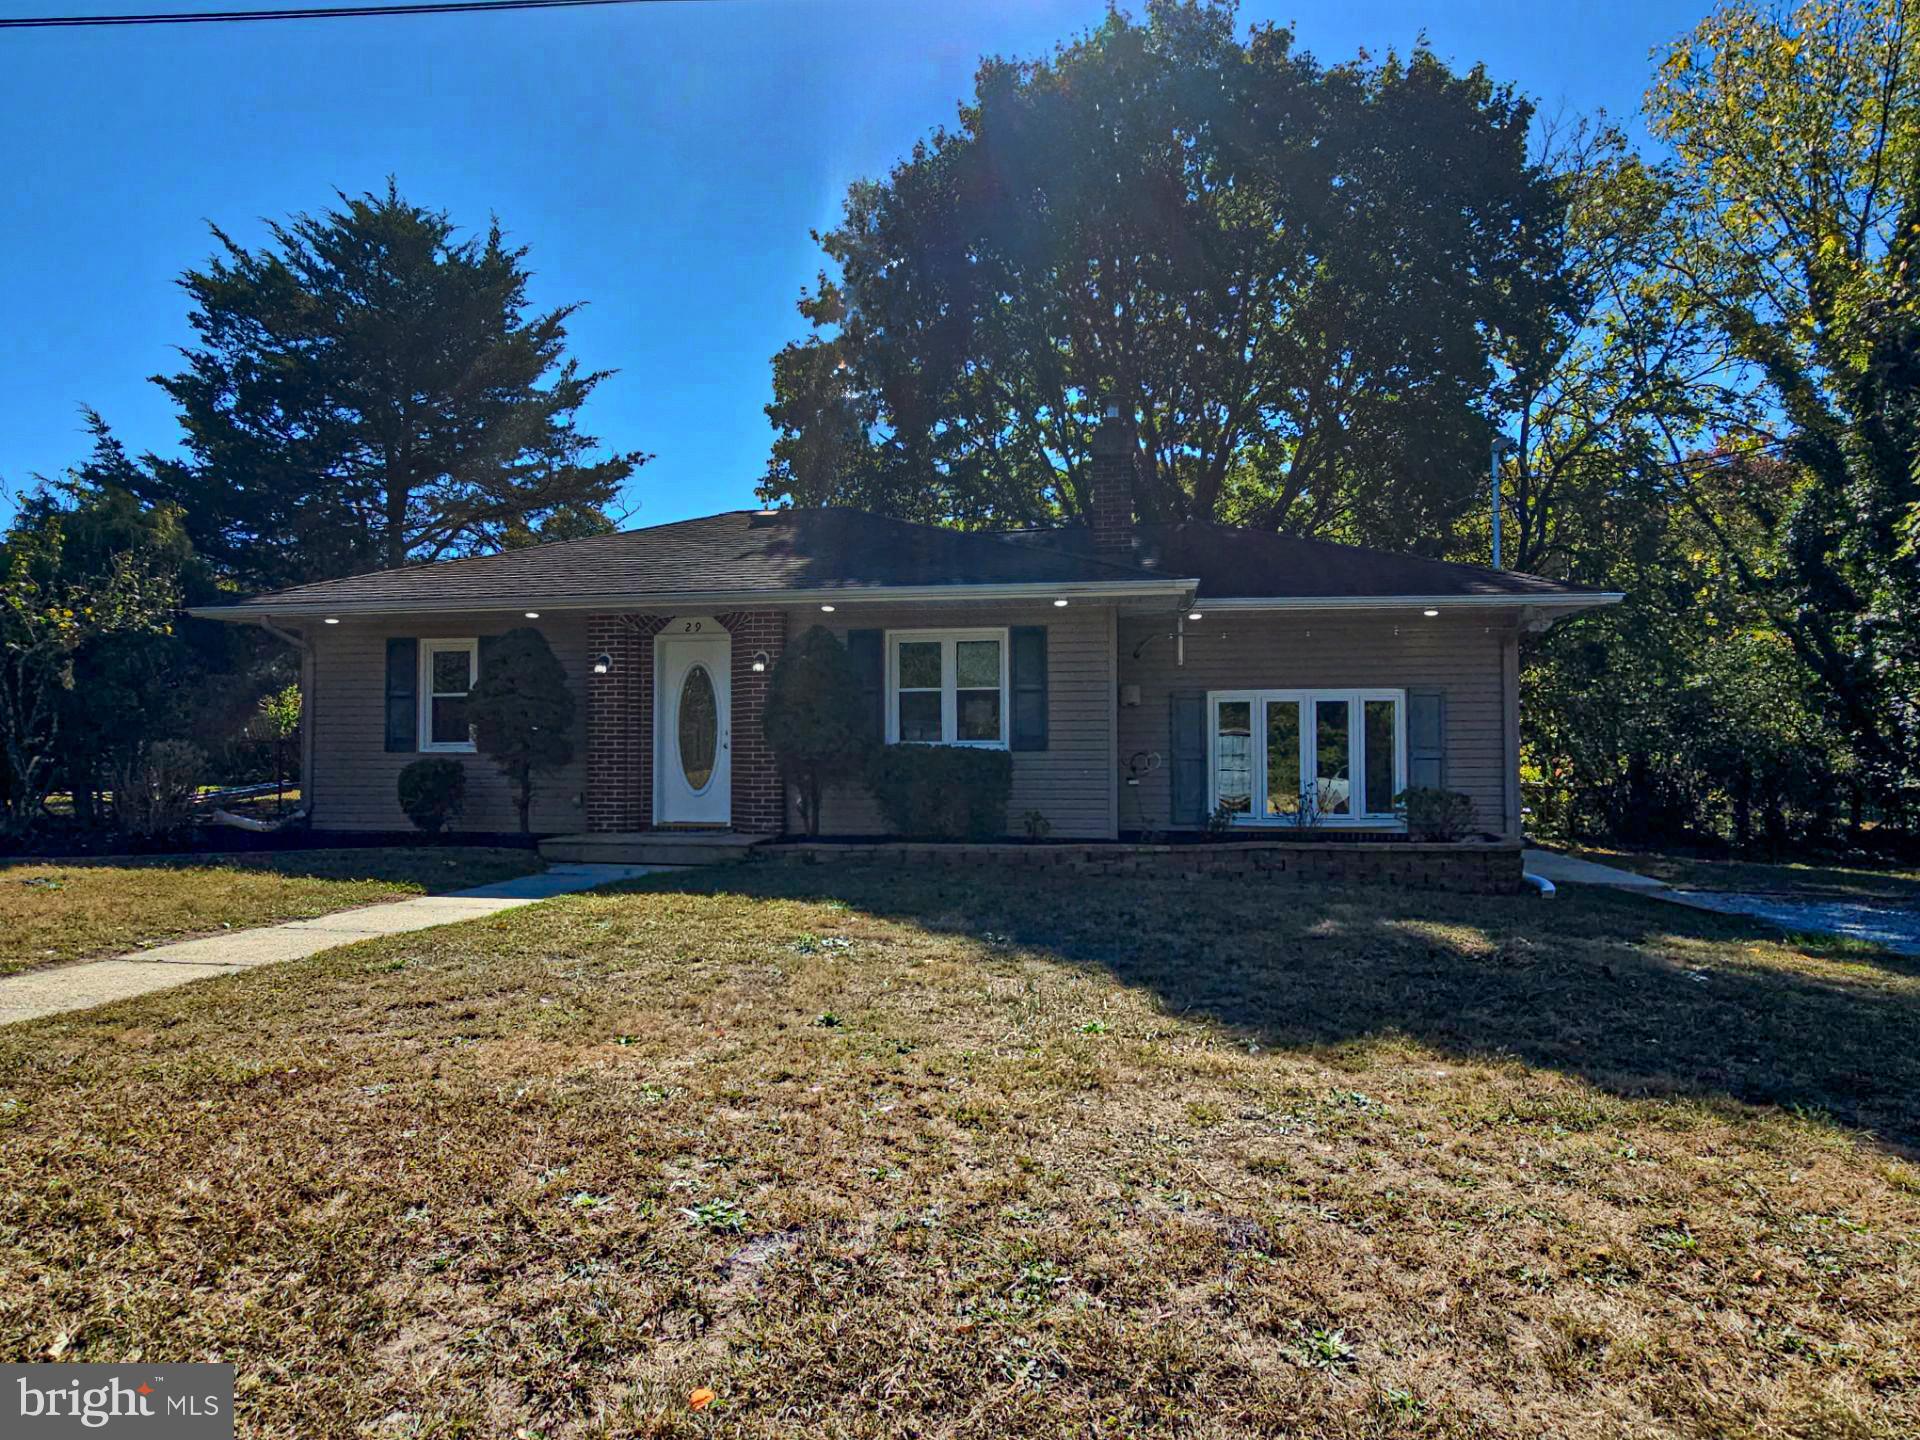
(354, 781)
(1070, 782)
(1227, 651)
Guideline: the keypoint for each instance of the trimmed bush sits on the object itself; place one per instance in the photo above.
(433, 792)
(942, 792)
(1436, 814)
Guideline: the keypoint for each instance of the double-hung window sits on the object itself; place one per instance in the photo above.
(447, 672)
(947, 687)
(1308, 757)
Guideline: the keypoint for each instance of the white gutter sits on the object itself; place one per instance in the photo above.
(1408, 602)
(707, 599)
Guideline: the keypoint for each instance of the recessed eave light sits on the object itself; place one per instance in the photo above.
(1059, 604)
(1429, 612)
(826, 609)
(532, 614)
(333, 619)
(1195, 615)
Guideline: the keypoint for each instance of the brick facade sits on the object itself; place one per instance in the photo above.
(620, 722)
(759, 797)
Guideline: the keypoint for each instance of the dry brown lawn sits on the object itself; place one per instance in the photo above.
(74, 909)
(868, 1153)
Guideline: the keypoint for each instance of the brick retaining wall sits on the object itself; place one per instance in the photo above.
(1479, 869)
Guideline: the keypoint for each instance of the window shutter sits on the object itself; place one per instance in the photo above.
(403, 701)
(1029, 682)
(866, 649)
(1427, 739)
(1188, 769)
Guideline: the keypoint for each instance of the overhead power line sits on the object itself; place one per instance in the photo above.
(306, 12)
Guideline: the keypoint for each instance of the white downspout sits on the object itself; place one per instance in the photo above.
(308, 670)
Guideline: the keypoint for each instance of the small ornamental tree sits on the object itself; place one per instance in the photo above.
(522, 711)
(814, 720)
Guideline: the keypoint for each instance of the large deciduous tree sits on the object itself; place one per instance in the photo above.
(1796, 133)
(1293, 274)
(90, 582)
(371, 389)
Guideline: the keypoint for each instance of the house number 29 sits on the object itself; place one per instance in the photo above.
(690, 627)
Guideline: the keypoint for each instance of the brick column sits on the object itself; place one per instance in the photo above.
(620, 723)
(759, 796)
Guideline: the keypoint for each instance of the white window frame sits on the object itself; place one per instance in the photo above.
(470, 646)
(1356, 700)
(949, 678)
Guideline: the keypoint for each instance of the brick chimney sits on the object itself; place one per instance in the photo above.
(1111, 517)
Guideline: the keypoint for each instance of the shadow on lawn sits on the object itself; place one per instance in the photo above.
(1638, 997)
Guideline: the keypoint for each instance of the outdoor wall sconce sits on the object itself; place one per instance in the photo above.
(602, 663)
(760, 658)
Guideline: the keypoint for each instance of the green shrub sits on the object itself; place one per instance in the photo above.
(432, 792)
(942, 792)
(1436, 814)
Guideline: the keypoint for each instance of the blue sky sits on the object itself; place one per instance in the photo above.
(664, 163)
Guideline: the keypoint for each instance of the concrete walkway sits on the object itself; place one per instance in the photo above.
(97, 982)
(1569, 870)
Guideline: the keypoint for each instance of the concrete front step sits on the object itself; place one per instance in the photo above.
(651, 847)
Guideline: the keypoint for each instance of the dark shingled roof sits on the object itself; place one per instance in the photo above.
(1231, 561)
(771, 553)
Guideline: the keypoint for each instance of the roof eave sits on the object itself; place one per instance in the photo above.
(267, 608)
(1566, 603)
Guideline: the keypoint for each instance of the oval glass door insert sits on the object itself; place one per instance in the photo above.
(699, 727)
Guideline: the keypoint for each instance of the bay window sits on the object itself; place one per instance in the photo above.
(1306, 757)
(947, 687)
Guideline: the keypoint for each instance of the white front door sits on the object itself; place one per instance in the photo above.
(692, 733)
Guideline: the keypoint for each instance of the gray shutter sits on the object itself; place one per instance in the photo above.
(403, 701)
(865, 649)
(1028, 672)
(1188, 764)
(1427, 739)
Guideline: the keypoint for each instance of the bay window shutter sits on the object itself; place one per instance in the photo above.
(403, 700)
(866, 649)
(1187, 769)
(1028, 672)
(1427, 739)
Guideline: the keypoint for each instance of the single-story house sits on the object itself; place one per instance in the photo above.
(1143, 677)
